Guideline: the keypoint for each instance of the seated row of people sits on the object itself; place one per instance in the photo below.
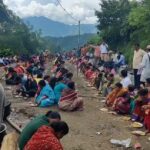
(46, 91)
(121, 96)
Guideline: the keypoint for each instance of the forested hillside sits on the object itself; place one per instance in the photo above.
(15, 36)
(66, 43)
(123, 23)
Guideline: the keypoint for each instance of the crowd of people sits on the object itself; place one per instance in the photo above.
(30, 81)
(104, 70)
(39, 89)
(114, 80)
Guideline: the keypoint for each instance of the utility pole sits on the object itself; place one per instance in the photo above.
(79, 24)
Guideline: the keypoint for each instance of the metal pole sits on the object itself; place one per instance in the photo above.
(79, 23)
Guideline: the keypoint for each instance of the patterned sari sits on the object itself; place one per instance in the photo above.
(69, 101)
(116, 93)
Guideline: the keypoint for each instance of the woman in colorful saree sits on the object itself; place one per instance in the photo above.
(45, 96)
(69, 100)
(122, 104)
(116, 93)
(47, 137)
(142, 100)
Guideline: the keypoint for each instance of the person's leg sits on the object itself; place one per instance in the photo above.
(46, 103)
(135, 78)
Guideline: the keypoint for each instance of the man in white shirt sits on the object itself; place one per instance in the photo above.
(137, 59)
(145, 66)
(126, 81)
(104, 51)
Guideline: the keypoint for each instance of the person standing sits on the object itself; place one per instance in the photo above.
(137, 59)
(145, 66)
(97, 54)
(104, 51)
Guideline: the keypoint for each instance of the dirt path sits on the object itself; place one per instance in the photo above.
(85, 125)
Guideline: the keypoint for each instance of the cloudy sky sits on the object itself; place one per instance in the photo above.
(80, 9)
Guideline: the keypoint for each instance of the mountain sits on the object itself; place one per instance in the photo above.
(57, 29)
(66, 43)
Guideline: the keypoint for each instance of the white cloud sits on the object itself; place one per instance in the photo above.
(83, 10)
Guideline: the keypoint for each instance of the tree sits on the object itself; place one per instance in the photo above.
(112, 20)
(139, 19)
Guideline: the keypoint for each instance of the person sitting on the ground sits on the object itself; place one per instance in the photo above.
(39, 78)
(69, 100)
(35, 124)
(122, 104)
(61, 72)
(45, 96)
(11, 77)
(109, 85)
(98, 80)
(89, 73)
(68, 77)
(142, 100)
(29, 88)
(126, 81)
(120, 60)
(52, 82)
(59, 87)
(117, 92)
(19, 69)
(47, 79)
(47, 138)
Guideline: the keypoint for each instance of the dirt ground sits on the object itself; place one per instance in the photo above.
(84, 125)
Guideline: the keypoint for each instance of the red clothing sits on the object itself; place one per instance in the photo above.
(89, 74)
(138, 111)
(147, 121)
(44, 139)
(19, 70)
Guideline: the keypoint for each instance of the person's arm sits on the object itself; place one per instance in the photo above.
(143, 63)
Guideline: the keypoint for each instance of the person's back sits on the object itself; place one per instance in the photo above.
(58, 90)
(31, 128)
(47, 138)
(44, 139)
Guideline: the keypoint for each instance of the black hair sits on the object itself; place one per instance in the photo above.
(119, 85)
(61, 127)
(111, 75)
(46, 77)
(124, 73)
(148, 80)
(71, 85)
(39, 75)
(53, 115)
(143, 92)
(60, 79)
(10, 69)
(42, 83)
(131, 88)
(69, 75)
(52, 82)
